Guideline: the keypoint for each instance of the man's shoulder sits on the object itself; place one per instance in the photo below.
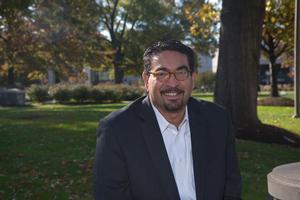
(126, 113)
(205, 106)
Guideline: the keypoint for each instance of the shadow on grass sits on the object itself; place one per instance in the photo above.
(269, 134)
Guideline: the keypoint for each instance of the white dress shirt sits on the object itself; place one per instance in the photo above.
(179, 149)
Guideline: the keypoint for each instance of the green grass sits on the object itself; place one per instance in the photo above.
(46, 151)
(209, 96)
(287, 94)
(203, 96)
(281, 116)
(256, 161)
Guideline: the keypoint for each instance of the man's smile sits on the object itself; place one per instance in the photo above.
(172, 92)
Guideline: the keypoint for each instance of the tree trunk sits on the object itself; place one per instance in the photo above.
(237, 75)
(274, 69)
(119, 72)
(11, 77)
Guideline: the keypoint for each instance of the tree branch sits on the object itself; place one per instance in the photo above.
(118, 25)
(264, 45)
(113, 13)
(5, 39)
(106, 22)
(276, 43)
(281, 51)
(131, 28)
(123, 28)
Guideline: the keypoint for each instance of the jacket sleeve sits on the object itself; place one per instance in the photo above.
(233, 183)
(110, 176)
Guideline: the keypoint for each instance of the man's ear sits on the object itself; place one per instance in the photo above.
(145, 76)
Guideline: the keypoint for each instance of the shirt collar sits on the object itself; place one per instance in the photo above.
(163, 123)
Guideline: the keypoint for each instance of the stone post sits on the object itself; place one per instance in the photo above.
(297, 59)
(51, 77)
(284, 182)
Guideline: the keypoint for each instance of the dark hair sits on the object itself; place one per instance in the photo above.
(168, 45)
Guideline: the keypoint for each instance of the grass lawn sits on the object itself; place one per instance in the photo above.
(274, 115)
(209, 96)
(279, 116)
(287, 94)
(46, 151)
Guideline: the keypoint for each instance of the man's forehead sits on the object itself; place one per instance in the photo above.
(168, 54)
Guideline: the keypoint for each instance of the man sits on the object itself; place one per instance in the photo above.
(167, 145)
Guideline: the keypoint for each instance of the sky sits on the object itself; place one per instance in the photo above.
(214, 1)
(211, 1)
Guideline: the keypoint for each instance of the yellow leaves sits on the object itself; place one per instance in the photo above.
(268, 6)
(193, 30)
(34, 75)
(187, 10)
(207, 13)
(279, 22)
(201, 20)
(4, 69)
(190, 18)
(273, 19)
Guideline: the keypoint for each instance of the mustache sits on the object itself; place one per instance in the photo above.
(171, 89)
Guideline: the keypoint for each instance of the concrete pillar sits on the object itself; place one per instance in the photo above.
(91, 76)
(297, 59)
(51, 77)
(284, 182)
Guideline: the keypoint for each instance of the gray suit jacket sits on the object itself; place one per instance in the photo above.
(131, 162)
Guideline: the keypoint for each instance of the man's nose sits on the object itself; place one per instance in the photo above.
(172, 81)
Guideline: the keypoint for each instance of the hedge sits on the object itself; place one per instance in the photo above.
(66, 93)
(38, 93)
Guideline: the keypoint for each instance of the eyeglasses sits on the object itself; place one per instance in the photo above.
(179, 75)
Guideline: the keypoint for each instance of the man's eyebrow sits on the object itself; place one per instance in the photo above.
(161, 69)
(183, 67)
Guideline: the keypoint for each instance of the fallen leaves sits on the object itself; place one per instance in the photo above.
(64, 179)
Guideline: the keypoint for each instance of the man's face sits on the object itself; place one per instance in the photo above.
(169, 95)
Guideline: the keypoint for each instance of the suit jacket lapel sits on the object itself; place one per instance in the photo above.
(198, 131)
(156, 147)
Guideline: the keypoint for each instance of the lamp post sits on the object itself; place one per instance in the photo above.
(297, 59)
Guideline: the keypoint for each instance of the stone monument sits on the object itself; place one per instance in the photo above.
(284, 182)
(12, 97)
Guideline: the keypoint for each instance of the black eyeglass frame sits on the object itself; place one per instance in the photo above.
(167, 77)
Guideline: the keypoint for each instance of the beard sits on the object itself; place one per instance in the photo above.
(176, 104)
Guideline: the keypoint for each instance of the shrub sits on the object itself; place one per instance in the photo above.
(130, 93)
(60, 92)
(37, 93)
(205, 82)
(115, 93)
(112, 93)
(80, 93)
(97, 95)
